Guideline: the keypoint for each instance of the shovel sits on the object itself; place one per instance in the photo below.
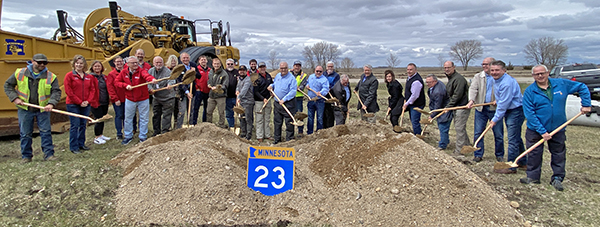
(174, 74)
(305, 95)
(421, 136)
(318, 95)
(452, 108)
(188, 78)
(264, 105)
(300, 116)
(383, 121)
(398, 128)
(513, 164)
(296, 123)
(469, 149)
(102, 119)
(367, 114)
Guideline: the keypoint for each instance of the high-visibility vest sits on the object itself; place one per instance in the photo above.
(44, 87)
(299, 79)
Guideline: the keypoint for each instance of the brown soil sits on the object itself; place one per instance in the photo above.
(357, 174)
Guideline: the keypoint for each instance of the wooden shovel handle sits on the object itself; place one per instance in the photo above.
(60, 111)
(144, 84)
(482, 134)
(551, 134)
(461, 107)
(318, 93)
(361, 103)
(284, 107)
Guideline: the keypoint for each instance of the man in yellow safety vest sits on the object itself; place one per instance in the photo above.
(36, 85)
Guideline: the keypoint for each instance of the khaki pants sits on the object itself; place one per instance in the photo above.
(263, 129)
(220, 104)
(460, 126)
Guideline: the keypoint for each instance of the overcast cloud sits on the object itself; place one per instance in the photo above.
(366, 31)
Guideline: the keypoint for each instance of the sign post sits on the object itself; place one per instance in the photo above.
(271, 169)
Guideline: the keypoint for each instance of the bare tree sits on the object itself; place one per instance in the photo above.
(465, 51)
(347, 64)
(273, 59)
(393, 60)
(547, 51)
(441, 59)
(320, 53)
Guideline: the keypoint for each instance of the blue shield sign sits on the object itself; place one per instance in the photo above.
(271, 169)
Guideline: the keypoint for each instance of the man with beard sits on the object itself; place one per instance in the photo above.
(231, 88)
(253, 68)
(245, 98)
(332, 77)
(162, 106)
(218, 80)
(261, 98)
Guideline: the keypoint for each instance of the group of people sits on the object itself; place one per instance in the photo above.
(495, 95)
(497, 99)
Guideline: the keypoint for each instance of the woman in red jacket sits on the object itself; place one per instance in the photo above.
(101, 101)
(81, 89)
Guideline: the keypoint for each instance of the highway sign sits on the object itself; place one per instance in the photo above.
(271, 169)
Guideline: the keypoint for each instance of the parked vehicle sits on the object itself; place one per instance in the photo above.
(587, 73)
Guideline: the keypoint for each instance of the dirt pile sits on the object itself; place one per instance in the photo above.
(357, 174)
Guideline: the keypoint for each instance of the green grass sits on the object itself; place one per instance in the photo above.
(78, 190)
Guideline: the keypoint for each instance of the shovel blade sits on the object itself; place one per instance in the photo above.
(369, 115)
(298, 123)
(468, 149)
(505, 165)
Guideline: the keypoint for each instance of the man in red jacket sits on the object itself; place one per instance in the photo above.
(135, 98)
(117, 96)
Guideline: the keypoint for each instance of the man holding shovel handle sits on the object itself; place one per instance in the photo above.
(544, 106)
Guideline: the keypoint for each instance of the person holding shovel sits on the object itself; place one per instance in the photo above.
(481, 91)
(36, 85)
(319, 83)
(438, 98)
(415, 96)
(341, 91)
(396, 99)
(284, 87)
(245, 98)
(457, 88)
(164, 101)
(367, 93)
(510, 107)
(302, 80)
(218, 82)
(544, 106)
(262, 99)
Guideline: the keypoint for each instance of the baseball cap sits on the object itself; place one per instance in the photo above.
(262, 64)
(243, 67)
(40, 57)
(297, 63)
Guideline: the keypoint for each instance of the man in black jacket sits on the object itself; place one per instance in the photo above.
(341, 91)
(367, 93)
(231, 87)
(458, 91)
(261, 97)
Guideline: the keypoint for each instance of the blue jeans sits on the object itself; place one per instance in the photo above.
(444, 128)
(415, 118)
(300, 108)
(143, 107)
(229, 103)
(199, 98)
(119, 118)
(514, 122)
(319, 107)
(481, 119)
(26, 132)
(78, 125)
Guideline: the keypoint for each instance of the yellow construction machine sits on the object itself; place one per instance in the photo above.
(107, 33)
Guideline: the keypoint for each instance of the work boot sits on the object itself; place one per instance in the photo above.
(527, 180)
(477, 159)
(51, 158)
(557, 184)
(25, 160)
(499, 159)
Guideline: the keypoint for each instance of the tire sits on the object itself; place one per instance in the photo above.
(196, 52)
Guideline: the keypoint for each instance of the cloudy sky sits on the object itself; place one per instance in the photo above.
(366, 31)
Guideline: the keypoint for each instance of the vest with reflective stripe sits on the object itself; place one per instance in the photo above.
(44, 87)
(299, 79)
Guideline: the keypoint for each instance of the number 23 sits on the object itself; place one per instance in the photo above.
(263, 176)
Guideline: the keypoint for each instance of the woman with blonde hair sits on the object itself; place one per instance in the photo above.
(100, 107)
(81, 89)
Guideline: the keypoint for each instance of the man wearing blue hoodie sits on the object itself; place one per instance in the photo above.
(36, 85)
(544, 106)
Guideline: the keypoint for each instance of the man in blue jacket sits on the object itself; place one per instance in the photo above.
(438, 98)
(544, 105)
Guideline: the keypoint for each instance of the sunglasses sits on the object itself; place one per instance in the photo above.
(319, 71)
(42, 62)
(229, 63)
